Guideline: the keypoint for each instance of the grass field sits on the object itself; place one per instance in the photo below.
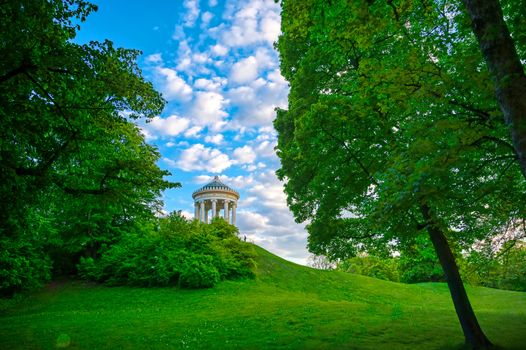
(286, 307)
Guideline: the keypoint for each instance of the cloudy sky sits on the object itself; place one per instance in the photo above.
(214, 62)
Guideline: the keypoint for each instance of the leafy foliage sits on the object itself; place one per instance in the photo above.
(372, 266)
(23, 265)
(381, 120)
(504, 269)
(418, 262)
(75, 172)
(181, 253)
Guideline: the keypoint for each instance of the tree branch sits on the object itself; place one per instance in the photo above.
(496, 140)
(352, 155)
(19, 70)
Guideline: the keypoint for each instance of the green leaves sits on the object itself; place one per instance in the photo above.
(68, 149)
(182, 253)
(390, 107)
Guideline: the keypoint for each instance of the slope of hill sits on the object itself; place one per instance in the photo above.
(287, 307)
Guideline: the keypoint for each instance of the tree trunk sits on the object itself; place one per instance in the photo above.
(505, 67)
(473, 334)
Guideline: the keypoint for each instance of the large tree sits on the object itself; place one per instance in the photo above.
(392, 129)
(73, 166)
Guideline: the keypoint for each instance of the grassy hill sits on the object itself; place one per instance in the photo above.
(287, 307)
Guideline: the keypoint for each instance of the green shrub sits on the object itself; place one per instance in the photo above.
(198, 271)
(181, 252)
(23, 266)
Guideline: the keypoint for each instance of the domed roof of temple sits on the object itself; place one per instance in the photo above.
(215, 185)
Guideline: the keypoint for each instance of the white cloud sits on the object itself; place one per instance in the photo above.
(219, 50)
(187, 214)
(275, 77)
(245, 70)
(198, 157)
(200, 58)
(154, 58)
(244, 155)
(270, 27)
(184, 64)
(236, 182)
(190, 60)
(178, 34)
(192, 12)
(193, 131)
(173, 87)
(265, 59)
(170, 162)
(251, 221)
(255, 22)
(215, 139)
(252, 167)
(205, 18)
(202, 179)
(271, 195)
(212, 3)
(184, 53)
(208, 109)
(265, 219)
(171, 126)
(148, 135)
(266, 148)
(184, 49)
(213, 84)
(257, 102)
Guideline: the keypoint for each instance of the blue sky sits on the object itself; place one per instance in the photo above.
(214, 62)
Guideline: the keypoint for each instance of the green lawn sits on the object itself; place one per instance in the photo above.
(286, 307)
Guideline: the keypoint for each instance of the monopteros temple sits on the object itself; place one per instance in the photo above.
(215, 199)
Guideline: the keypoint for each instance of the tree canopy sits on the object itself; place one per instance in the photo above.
(392, 128)
(75, 170)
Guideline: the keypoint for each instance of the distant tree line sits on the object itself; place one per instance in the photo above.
(503, 269)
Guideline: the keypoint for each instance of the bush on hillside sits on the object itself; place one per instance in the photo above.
(372, 266)
(198, 271)
(181, 253)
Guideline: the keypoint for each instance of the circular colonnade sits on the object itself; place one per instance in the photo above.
(215, 199)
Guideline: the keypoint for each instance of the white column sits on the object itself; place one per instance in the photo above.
(214, 208)
(202, 212)
(226, 211)
(196, 210)
(206, 214)
(234, 206)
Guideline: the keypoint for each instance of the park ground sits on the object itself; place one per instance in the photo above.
(287, 306)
